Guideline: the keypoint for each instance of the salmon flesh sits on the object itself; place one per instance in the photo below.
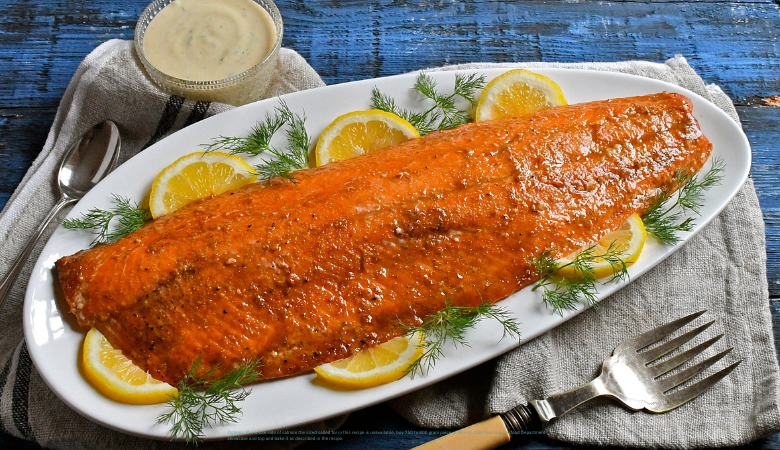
(305, 273)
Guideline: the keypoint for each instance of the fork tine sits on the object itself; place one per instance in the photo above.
(672, 363)
(656, 334)
(664, 349)
(685, 375)
(685, 395)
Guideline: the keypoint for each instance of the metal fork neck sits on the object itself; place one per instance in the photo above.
(559, 404)
(537, 413)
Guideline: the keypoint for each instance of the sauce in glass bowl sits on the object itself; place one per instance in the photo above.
(212, 50)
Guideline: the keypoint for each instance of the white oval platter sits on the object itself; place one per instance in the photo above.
(54, 339)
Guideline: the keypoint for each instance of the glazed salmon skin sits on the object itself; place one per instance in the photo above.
(305, 273)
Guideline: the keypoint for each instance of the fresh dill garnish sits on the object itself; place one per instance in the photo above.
(258, 141)
(203, 403)
(663, 220)
(297, 154)
(450, 324)
(564, 292)
(423, 122)
(130, 217)
(283, 161)
(444, 114)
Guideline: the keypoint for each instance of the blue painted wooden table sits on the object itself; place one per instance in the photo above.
(734, 44)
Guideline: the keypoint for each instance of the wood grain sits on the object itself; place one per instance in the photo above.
(730, 43)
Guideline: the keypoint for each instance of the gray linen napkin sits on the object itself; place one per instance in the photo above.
(109, 84)
(722, 270)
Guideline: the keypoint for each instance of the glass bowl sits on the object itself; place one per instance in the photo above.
(240, 89)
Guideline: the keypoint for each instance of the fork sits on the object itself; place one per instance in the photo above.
(629, 376)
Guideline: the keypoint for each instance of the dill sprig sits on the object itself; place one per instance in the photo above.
(297, 154)
(128, 214)
(444, 114)
(203, 403)
(258, 141)
(422, 121)
(564, 292)
(283, 160)
(450, 325)
(664, 220)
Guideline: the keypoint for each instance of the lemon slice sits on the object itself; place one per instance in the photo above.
(195, 176)
(629, 239)
(518, 92)
(376, 365)
(116, 377)
(361, 132)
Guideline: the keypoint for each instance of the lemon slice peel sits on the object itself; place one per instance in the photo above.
(621, 248)
(195, 176)
(360, 132)
(116, 377)
(376, 365)
(518, 92)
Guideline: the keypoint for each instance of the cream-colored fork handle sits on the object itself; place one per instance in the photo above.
(484, 435)
(493, 432)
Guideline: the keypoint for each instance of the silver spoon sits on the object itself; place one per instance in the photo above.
(85, 163)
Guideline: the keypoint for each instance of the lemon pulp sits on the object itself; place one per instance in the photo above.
(374, 366)
(195, 176)
(116, 377)
(627, 243)
(361, 132)
(517, 92)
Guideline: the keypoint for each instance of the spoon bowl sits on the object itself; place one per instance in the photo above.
(89, 160)
(85, 163)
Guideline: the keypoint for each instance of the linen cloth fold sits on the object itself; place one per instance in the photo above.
(723, 269)
(108, 84)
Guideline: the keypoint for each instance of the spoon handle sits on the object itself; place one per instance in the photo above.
(10, 277)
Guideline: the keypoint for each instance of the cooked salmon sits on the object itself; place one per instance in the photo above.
(300, 274)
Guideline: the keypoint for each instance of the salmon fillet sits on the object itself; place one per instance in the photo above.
(305, 273)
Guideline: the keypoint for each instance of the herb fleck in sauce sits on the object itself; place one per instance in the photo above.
(208, 40)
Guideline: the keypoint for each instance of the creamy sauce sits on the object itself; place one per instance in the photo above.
(208, 40)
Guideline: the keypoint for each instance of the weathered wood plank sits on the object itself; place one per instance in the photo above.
(42, 42)
(725, 42)
(23, 132)
(761, 125)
